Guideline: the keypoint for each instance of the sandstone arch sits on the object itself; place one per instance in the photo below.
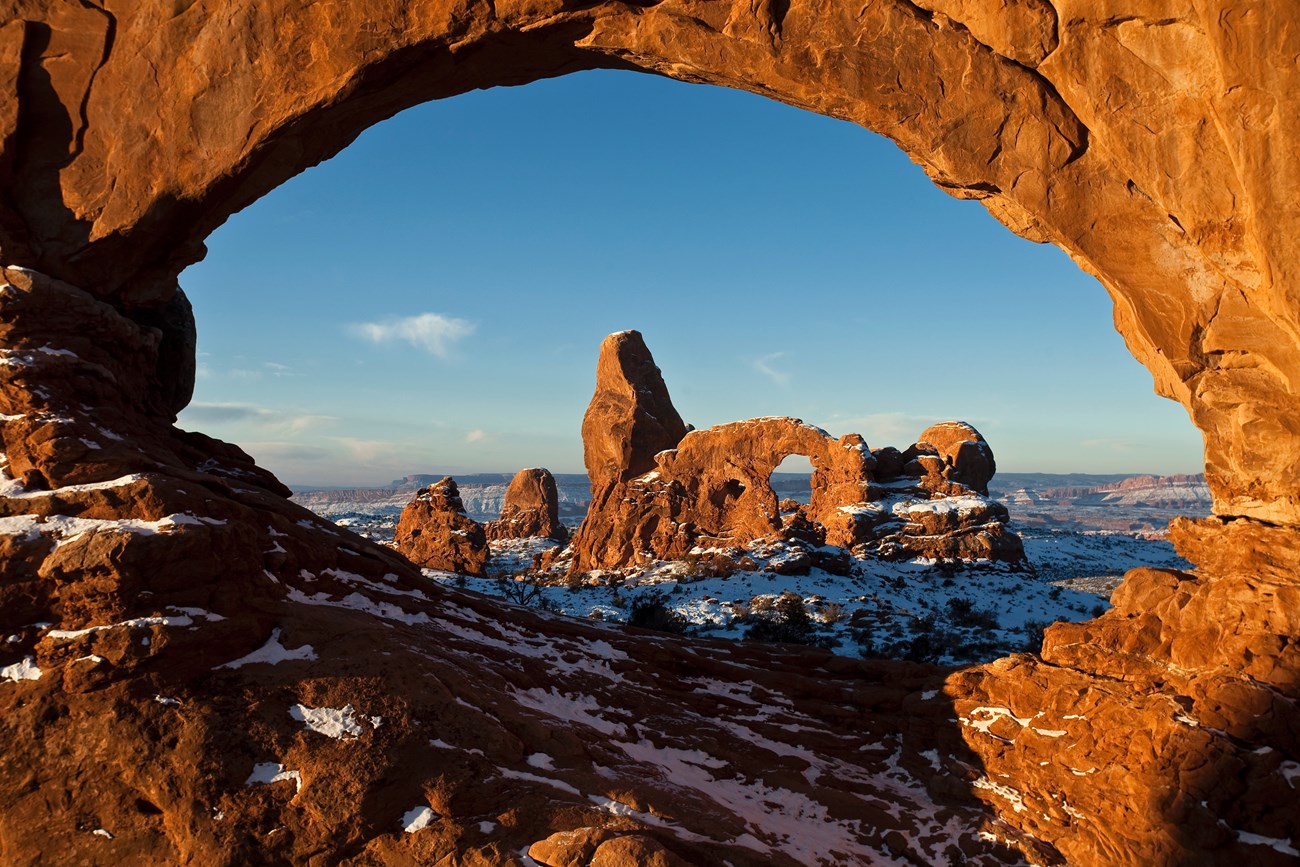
(1154, 143)
(137, 131)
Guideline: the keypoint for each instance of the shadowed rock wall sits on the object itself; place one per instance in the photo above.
(1155, 142)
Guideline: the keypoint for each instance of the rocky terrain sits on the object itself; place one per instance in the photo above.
(197, 670)
(1141, 505)
(483, 495)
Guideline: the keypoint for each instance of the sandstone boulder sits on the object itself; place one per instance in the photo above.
(967, 458)
(531, 508)
(434, 532)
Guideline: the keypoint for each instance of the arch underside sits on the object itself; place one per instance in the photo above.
(137, 130)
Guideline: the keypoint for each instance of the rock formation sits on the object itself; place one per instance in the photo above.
(531, 508)
(1155, 144)
(630, 420)
(435, 533)
(713, 487)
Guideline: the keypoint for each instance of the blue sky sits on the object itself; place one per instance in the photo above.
(432, 299)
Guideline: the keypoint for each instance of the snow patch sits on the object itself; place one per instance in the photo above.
(24, 670)
(418, 818)
(272, 772)
(1276, 843)
(339, 723)
(273, 653)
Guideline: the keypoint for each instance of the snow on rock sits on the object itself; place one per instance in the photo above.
(157, 620)
(65, 530)
(272, 653)
(272, 772)
(23, 670)
(418, 818)
(339, 723)
(541, 760)
(1279, 845)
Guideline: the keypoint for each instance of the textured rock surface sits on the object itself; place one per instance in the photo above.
(1155, 143)
(630, 419)
(713, 488)
(531, 508)
(434, 532)
(1104, 131)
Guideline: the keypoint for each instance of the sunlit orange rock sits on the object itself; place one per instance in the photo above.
(435, 533)
(531, 508)
(1155, 144)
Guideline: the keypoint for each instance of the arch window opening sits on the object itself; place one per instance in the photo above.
(429, 303)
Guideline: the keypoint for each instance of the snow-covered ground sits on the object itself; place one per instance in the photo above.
(918, 610)
(915, 610)
(1094, 560)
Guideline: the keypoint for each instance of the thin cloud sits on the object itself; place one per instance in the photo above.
(434, 333)
(247, 413)
(764, 366)
(475, 436)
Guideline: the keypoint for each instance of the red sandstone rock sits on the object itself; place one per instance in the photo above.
(967, 458)
(531, 508)
(713, 488)
(630, 419)
(133, 130)
(435, 533)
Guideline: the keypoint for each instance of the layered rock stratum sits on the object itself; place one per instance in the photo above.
(152, 576)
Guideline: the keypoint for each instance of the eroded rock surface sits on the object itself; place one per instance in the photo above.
(531, 508)
(1154, 143)
(712, 488)
(434, 532)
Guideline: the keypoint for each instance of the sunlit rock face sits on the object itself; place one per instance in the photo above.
(531, 508)
(1154, 143)
(434, 532)
(656, 498)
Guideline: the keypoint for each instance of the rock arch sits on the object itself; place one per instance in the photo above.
(1156, 146)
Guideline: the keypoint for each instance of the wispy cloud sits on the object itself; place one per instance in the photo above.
(370, 452)
(247, 413)
(764, 366)
(475, 436)
(432, 332)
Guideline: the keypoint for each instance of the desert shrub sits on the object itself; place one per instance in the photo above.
(1098, 610)
(523, 590)
(1033, 632)
(762, 605)
(787, 623)
(649, 611)
(962, 612)
(575, 580)
(832, 613)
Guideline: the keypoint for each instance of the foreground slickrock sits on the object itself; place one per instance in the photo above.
(1155, 144)
(712, 488)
